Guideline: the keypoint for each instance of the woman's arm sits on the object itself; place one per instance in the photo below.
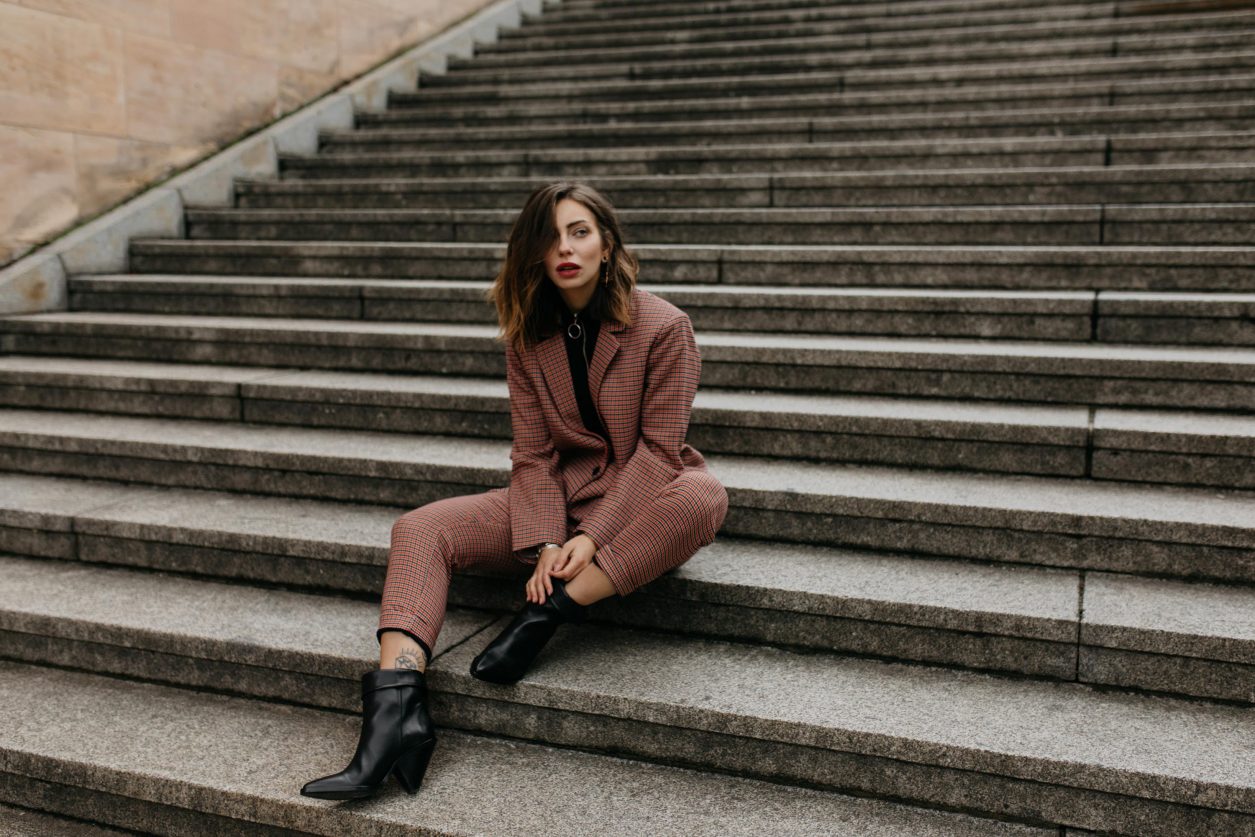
(673, 372)
(537, 495)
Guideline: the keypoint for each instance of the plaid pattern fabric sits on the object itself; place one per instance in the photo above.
(642, 378)
(647, 499)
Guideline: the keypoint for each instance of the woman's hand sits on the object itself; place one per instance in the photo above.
(576, 554)
(539, 585)
(565, 563)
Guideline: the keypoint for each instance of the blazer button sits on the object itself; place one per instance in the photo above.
(596, 470)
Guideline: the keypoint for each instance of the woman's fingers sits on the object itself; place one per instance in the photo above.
(540, 577)
(566, 564)
(573, 567)
(555, 568)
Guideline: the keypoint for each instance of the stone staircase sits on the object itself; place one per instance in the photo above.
(975, 293)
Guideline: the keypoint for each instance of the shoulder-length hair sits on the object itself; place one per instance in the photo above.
(528, 305)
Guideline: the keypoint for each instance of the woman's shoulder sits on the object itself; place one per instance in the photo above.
(652, 314)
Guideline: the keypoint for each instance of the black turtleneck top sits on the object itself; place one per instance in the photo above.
(579, 352)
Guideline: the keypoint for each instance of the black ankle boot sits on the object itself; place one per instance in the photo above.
(508, 657)
(397, 737)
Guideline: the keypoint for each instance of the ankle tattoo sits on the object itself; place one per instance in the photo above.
(410, 658)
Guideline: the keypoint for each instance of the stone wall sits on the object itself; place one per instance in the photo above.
(99, 98)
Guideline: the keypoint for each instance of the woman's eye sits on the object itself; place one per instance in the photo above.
(581, 232)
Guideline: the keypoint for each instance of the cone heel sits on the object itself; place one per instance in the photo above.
(411, 766)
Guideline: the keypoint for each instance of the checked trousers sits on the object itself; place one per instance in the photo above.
(433, 541)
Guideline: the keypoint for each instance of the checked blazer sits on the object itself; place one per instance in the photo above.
(642, 378)
(645, 498)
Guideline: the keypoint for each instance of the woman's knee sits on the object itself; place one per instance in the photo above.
(704, 498)
(426, 524)
(413, 525)
(472, 527)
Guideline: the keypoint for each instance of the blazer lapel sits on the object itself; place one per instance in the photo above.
(551, 352)
(607, 347)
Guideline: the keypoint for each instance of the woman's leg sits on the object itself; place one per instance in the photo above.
(683, 518)
(590, 585)
(428, 545)
(398, 649)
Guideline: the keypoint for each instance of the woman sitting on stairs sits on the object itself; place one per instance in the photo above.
(604, 493)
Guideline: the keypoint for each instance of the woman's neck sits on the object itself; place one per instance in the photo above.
(577, 305)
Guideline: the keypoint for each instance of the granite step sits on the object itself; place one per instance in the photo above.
(375, 131)
(1125, 36)
(887, 17)
(1044, 267)
(1103, 628)
(823, 54)
(1186, 183)
(1146, 224)
(886, 606)
(941, 225)
(1121, 7)
(841, 78)
(781, 158)
(904, 432)
(875, 33)
(1111, 316)
(1097, 374)
(480, 785)
(1033, 751)
(24, 822)
(589, 11)
(1168, 318)
(1078, 53)
(1160, 89)
(1095, 524)
(784, 158)
(564, 13)
(1045, 752)
(1044, 315)
(1174, 446)
(695, 6)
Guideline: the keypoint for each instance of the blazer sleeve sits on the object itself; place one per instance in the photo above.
(537, 496)
(673, 372)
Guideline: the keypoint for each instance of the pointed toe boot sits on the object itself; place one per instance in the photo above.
(508, 657)
(397, 737)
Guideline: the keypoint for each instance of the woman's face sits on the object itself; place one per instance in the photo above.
(573, 263)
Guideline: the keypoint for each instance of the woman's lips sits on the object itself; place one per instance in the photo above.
(568, 268)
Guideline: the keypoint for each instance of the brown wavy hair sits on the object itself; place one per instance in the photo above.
(528, 305)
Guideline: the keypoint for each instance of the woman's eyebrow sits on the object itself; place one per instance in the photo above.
(576, 223)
